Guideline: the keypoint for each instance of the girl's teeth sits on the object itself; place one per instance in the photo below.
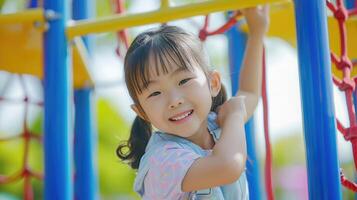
(181, 117)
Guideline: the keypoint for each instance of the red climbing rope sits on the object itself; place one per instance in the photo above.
(122, 35)
(25, 173)
(347, 84)
(268, 162)
(231, 22)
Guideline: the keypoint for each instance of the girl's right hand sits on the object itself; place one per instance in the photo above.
(257, 20)
(233, 107)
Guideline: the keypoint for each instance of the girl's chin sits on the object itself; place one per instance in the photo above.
(186, 133)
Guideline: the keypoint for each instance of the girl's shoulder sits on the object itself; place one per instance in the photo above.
(166, 157)
(162, 141)
(163, 148)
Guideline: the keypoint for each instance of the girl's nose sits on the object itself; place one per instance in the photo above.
(175, 102)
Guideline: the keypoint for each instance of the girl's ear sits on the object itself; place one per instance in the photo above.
(215, 83)
(135, 108)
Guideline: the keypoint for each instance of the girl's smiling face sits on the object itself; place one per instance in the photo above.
(167, 77)
(178, 101)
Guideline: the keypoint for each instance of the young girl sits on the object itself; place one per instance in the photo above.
(187, 141)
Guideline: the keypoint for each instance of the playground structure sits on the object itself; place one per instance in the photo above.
(25, 31)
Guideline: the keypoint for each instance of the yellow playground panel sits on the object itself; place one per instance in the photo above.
(21, 49)
(282, 25)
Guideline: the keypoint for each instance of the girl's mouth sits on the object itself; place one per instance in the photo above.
(182, 118)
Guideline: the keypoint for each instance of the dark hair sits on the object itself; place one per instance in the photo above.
(164, 45)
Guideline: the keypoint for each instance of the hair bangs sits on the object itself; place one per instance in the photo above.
(137, 75)
(159, 57)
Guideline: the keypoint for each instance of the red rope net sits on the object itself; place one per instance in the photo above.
(347, 84)
(25, 173)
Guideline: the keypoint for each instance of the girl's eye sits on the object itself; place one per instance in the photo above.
(154, 94)
(184, 81)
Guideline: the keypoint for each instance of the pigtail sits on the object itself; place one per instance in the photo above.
(139, 137)
(219, 99)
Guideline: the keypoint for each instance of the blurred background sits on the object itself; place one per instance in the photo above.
(114, 116)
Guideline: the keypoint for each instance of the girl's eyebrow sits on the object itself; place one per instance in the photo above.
(177, 71)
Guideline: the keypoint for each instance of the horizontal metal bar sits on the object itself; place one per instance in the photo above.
(118, 22)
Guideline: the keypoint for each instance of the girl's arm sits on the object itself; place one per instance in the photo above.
(251, 74)
(227, 161)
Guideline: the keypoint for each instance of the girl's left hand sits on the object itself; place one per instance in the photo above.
(257, 19)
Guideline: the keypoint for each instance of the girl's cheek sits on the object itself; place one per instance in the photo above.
(156, 103)
(194, 87)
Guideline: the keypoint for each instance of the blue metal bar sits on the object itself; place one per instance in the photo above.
(350, 4)
(86, 186)
(236, 44)
(57, 96)
(85, 147)
(82, 9)
(33, 4)
(317, 100)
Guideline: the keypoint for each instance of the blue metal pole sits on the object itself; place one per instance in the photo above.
(350, 4)
(86, 187)
(32, 4)
(317, 100)
(57, 98)
(84, 9)
(85, 147)
(236, 45)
